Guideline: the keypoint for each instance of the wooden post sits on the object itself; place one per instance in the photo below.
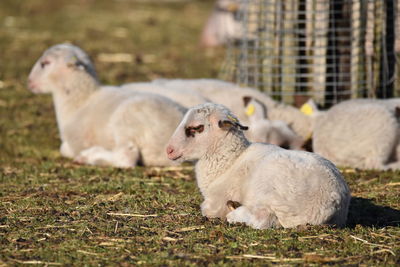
(320, 49)
(267, 44)
(355, 48)
(369, 48)
(289, 51)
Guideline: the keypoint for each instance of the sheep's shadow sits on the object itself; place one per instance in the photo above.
(363, 212)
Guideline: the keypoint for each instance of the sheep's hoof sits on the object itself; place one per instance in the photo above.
(81, 160)
(232, 205)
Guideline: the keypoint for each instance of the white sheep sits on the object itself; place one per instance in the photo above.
(222, 26)
(275, 187)
(186, 98)
(362, 133)
(231, 96)
(103, 125)
(263, 130)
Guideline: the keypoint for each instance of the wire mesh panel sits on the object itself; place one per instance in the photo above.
(327, 50)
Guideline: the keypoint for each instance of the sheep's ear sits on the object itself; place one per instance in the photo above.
(74, 62)
(226, 125)
(246, 100)
(80, 65)
(397, 112)
(254, 108)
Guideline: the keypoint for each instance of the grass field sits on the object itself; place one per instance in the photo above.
(54, 212)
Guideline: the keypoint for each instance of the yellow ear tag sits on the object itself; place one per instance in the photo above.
(232, 118)
(307, 109)
(250, 110)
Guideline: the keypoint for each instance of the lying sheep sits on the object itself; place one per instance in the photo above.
(360, 133)
(186, 98)
(103, 125)
(275, 187)
(269, 131)
(261, 130)
(231, 96)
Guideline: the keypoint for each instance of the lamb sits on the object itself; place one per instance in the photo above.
(103, 125)
(275, 187)
(186, 98)
(231, 96)
(360, 133)
(269, 131)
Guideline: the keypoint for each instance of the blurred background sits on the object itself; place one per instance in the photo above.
(293, 49)
(328, 50)
(128, 40)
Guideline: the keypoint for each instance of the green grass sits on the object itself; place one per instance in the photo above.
(55, 212)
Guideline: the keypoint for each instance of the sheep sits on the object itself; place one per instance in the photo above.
(275, 187)
(103, 125)
(261, 130)
(231, 96)
(274, 132)
(222, 26)
(361, 133)
(186, 98)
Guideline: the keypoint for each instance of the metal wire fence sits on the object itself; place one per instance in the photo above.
(329, 50)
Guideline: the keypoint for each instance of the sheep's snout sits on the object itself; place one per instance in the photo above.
(32, 86)
(172, 153)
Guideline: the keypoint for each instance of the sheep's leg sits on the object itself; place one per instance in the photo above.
(392, 166)
(66, 150)
(123, 157)
(378, 162)
(211, 209)
(258, 219)
(396, 164)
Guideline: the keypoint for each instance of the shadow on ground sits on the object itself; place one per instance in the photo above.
(363, 212)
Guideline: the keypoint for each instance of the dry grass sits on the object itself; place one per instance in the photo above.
(54, 212)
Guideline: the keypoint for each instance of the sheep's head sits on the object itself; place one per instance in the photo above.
(202, 127)
(259, 123)
(54, 68)
(264, 130)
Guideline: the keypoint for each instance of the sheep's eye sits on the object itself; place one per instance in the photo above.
(191, 131)
(44, 63)
(199, 128)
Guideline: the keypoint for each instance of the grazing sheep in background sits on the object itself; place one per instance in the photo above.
(231, 96)
(275, 187)
(361, 133)
(222, 26)
(103, 125)
(269, 131)
(186, 98)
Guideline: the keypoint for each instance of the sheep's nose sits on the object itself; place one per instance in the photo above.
(31, 85)
(170, 150)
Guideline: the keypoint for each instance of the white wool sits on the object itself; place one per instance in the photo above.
(275, 187)
(186, 98)
(103, 125)
(360, 133)
(231, 96)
